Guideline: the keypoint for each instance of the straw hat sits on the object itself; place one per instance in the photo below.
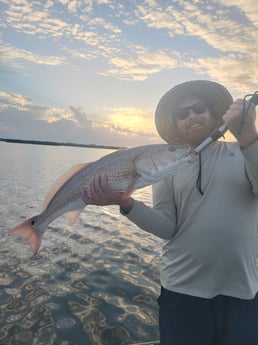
(217, 96)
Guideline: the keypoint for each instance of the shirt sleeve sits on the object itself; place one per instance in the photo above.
(159, 220)
(251, 162)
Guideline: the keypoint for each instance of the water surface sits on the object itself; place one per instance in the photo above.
(93, 283)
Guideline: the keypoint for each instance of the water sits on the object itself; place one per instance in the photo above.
(93, 283)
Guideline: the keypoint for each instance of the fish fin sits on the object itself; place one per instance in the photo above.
(61, 181)
(73, 215)
(31, 235)
(130, 188)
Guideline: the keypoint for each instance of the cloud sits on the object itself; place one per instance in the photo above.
(16, 57)
(144, 63)
(20, 118)
(238, 73)
(54, 114)
(106, 38)
(10, 100)
(248, 7)
(101, 38)
(105, 25)
(210, 23)
(231, 32)
(233, 40)
(80, 118)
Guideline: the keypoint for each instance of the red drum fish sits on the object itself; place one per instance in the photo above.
(127, 170)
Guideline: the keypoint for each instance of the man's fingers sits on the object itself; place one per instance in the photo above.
(101, 192)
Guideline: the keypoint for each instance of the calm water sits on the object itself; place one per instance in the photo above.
(93, 283)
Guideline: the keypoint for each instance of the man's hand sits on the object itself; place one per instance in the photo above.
(233, 118)
(102, 194)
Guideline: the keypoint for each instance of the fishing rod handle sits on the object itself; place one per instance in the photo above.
(219, 132)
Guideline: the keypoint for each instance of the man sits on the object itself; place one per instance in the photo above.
(207, 215)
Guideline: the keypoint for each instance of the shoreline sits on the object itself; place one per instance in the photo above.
(53, 143)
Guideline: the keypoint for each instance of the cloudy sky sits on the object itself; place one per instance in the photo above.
(93, 71)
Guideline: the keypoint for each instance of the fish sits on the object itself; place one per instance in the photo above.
(126, 169)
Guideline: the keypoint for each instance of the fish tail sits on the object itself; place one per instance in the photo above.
(31, 234)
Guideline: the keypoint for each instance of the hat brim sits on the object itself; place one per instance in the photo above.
(217, 96)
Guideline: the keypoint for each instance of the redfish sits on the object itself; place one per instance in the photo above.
(126, 170)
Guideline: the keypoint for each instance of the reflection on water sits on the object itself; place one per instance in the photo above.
(93, 283)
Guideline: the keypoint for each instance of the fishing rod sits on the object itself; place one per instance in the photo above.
(219, 132)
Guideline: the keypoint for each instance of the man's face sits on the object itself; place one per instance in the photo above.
(193, 121)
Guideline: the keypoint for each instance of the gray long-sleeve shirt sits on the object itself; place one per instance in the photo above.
(210, 240)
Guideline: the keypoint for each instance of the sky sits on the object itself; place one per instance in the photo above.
(93, 71)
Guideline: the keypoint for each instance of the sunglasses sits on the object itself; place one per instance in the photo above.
(197, 108)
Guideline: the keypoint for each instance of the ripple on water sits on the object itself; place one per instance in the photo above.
(93, 284)
(65, 323)
(5, 279)
(114, 336)
(16, 304)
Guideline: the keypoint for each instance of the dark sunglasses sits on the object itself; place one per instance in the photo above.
(197, 108)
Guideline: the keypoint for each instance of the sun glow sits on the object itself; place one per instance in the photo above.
(133, 120)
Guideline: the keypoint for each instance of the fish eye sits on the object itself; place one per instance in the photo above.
(32, 222)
